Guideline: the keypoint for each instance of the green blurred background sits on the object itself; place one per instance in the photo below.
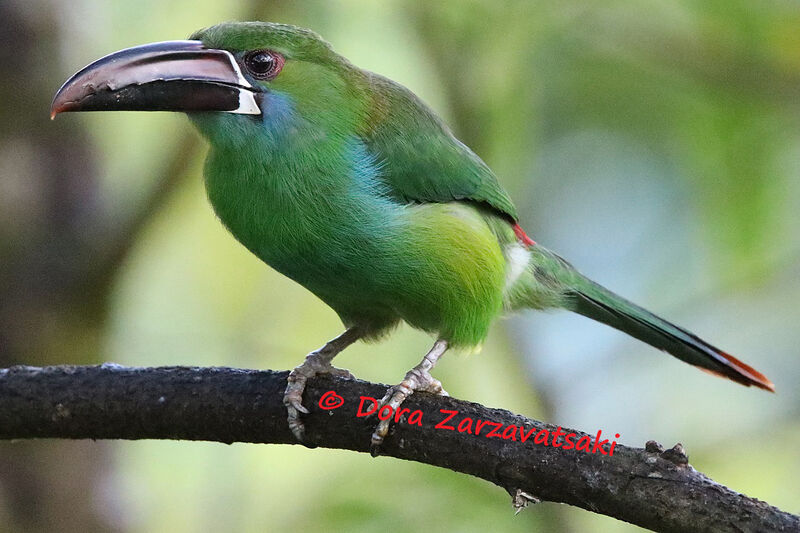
(654, 143)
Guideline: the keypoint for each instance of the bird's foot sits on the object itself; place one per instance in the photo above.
(316, 363)
(417, 379)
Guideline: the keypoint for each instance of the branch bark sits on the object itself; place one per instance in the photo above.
(649, 487)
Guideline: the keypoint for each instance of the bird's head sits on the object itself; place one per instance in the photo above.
(243, 74)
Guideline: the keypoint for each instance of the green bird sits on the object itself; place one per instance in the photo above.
(347, 183)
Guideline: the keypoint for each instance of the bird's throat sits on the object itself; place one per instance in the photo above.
(288, 194)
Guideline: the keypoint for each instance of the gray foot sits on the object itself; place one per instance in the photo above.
(418, 378)
(314, 364)
(415, 380)
(317, 362)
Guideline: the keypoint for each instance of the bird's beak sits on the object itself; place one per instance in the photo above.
(168, 76)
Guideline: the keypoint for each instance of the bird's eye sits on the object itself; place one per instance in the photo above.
(263, 64)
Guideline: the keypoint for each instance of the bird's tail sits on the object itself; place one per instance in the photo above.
(548, 272)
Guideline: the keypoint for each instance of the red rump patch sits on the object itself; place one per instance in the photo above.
(522, 236)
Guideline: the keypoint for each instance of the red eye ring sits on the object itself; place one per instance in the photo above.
(263, 64)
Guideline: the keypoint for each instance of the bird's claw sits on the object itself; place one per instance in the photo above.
(296, 383)
(415, 380)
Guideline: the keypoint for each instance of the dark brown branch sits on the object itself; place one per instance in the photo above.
(651, 488)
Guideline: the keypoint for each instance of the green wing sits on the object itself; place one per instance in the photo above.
(421, 160)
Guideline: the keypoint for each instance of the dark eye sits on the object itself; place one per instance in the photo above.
(263, 64)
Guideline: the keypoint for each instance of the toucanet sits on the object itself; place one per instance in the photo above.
(347, 183)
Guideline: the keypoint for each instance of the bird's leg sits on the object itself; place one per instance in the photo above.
(417, 379)
(317, 362)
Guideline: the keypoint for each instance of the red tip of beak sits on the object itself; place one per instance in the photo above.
(60, 104)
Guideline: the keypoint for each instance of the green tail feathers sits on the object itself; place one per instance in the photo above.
(587, 298)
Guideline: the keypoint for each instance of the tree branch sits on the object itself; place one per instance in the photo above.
(647, 487)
